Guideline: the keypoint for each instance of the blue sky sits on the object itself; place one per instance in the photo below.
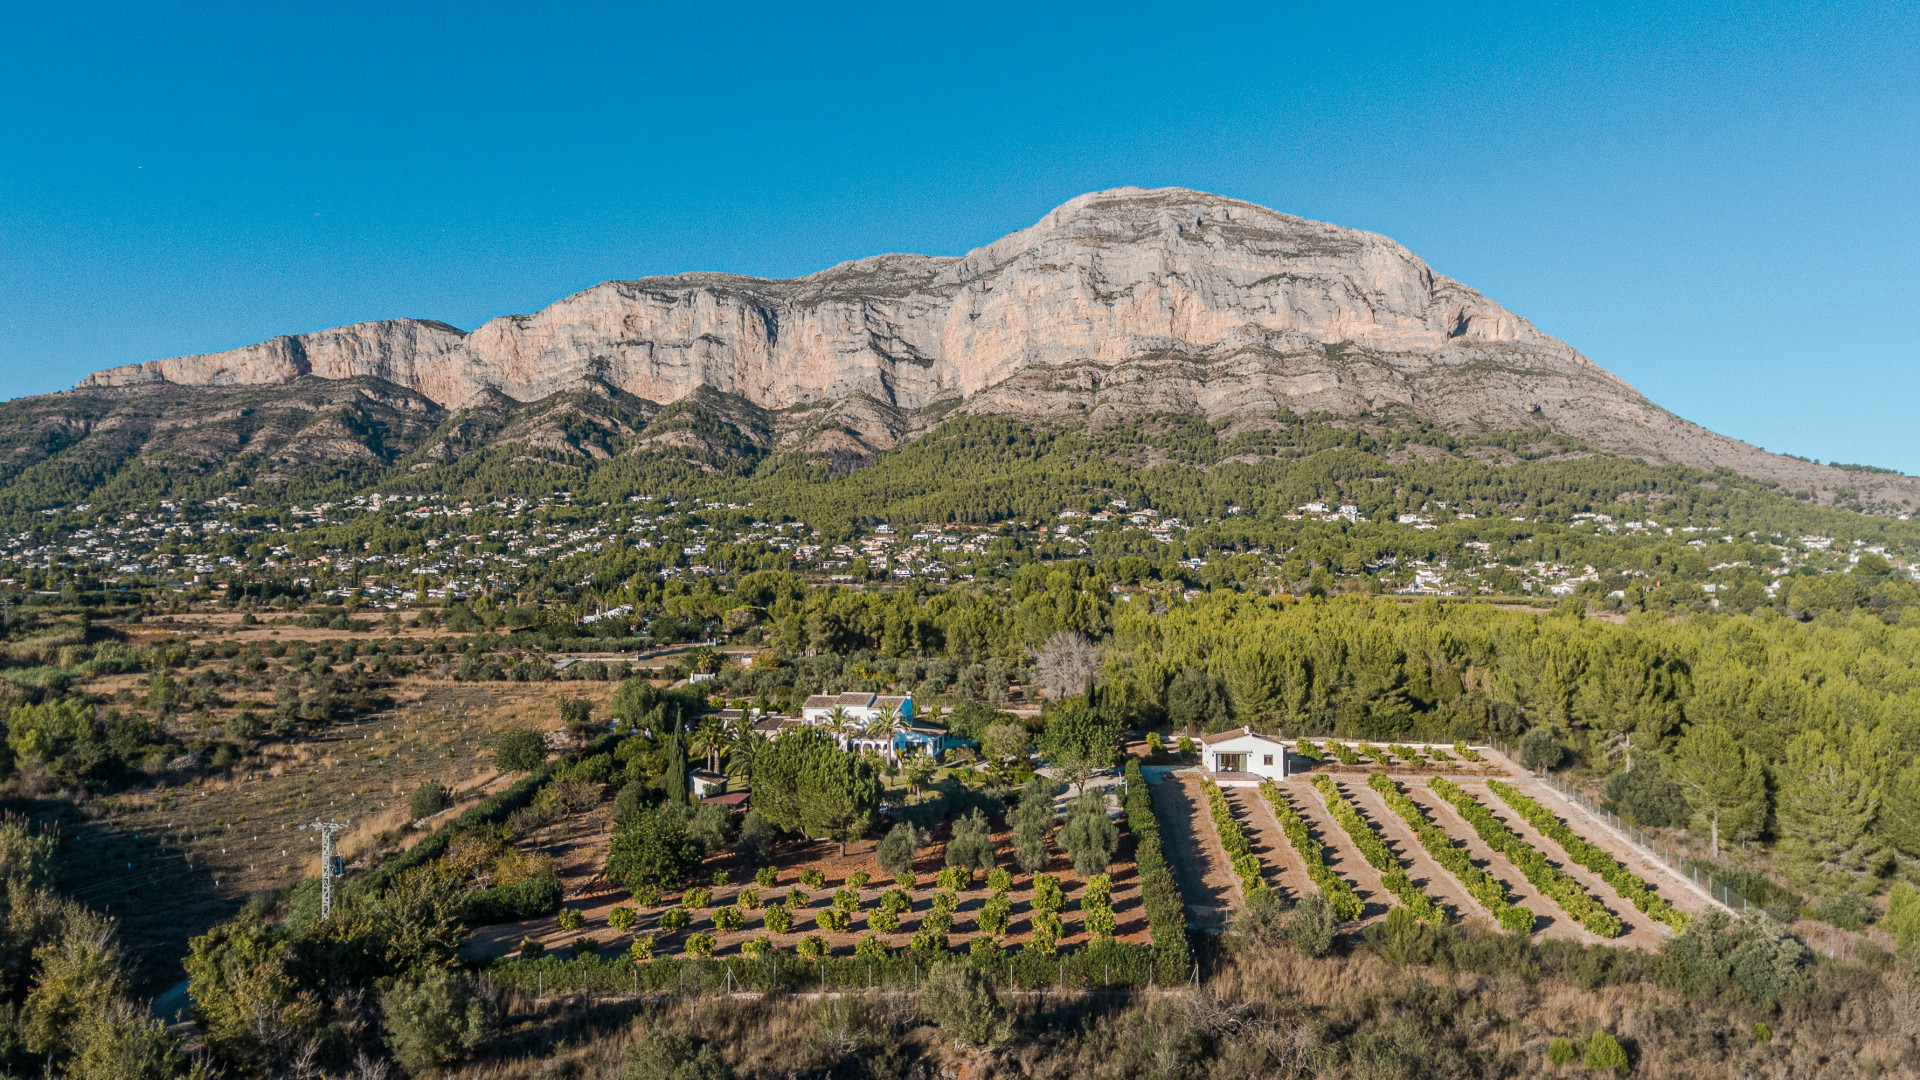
(1721, 203)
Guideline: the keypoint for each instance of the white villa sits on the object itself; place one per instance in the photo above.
(1243, 757)
(860, 708)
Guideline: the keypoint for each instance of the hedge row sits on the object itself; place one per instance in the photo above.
(1392, 874)
(527, 899)
(1482, 886)
(1565, 891)
(1245, 863)
(1096, 965)
(1159, 894)
(1624, 881)
(1339, 895)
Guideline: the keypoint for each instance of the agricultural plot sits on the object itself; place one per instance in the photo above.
(811, 897)
(1397, 759)
(1494, 849)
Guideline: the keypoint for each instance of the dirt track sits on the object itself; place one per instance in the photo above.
(1199, 865)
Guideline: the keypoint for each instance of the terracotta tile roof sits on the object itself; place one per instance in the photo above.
(1237, 733)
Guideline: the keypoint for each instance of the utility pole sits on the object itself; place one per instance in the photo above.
(329, 863)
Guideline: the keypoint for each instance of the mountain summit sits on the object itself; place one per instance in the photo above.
(1117, 303)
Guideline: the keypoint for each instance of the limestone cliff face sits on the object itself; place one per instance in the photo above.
(1117, 302)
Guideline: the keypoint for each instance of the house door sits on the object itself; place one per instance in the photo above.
(1230, 762)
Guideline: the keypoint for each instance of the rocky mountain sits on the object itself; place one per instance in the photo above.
(1117, 303)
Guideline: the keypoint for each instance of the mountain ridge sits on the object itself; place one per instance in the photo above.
(1115, 304)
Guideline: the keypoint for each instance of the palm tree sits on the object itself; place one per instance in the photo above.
(840, 723)
(887, 724)
(743, 745)
(709, 739)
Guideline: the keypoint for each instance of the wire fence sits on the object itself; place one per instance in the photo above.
(1703, 874)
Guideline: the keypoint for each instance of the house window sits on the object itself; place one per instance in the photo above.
(1267, 760)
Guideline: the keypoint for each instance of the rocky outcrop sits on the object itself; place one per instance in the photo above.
(1116, 303)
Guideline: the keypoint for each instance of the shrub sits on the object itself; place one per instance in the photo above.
(571, 919)
(832, 920)
(870, 947)
(700, 944)
(797, 897)
(1185, 746)
(896, 901)
(430, 799)
(1046, 933)
(1750, 953)
(622, 918)
(642, 948)
(1047, 895)
(779, 918)
(928, 941)
(767, 876)
(673, 1054)
(813, 947)
(695, 899)
(847, 899)
(996, 915)
(883, 920)
(985, 952)
(585, 945)
(647, 896)
(675, 918)
(813, 878)
(1561, 1052)
(728, 918)
(720, 879)
(905, 880)
(519, 750)
(527, 899)
(531, 947)
(960, 999)
(954, 877)
(758, 949)
(433, 1018)
(1309, 926)
(1605, 1053)
(945, 901)
(1540, 749)
(858, 879)
(999, 880)
(747, 899)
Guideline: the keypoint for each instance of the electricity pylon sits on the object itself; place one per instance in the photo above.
(329, 864)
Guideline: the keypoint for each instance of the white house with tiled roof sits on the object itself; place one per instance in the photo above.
(1243, 755)
(860, 707)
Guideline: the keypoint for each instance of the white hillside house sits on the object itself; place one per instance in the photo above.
(1244, 756)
